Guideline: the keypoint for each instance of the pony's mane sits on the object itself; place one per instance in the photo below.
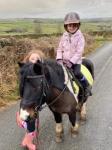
(25, 70)
(55, 66)
(52, 70)
(56, 73)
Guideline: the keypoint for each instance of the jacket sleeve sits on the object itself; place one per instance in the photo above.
(60, 50)
(79, 50)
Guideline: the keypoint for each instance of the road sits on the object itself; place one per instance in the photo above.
(96, 134)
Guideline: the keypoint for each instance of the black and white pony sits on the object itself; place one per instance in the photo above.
(44, 82)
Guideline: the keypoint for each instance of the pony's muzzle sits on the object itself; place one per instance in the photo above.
(24, 114)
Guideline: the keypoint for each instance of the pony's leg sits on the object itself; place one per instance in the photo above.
(83, 112)
(75, 123)
(59, 126)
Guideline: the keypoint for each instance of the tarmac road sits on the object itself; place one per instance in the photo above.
(96, 134)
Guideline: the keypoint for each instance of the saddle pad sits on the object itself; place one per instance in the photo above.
(87, 74)
(76, 87)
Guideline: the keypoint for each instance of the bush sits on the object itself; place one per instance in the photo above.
(14, 50)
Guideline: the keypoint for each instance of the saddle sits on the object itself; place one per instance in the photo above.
(77, 85)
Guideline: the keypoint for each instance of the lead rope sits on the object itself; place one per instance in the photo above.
(37, 130)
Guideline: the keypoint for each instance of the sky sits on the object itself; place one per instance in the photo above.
(54, 8)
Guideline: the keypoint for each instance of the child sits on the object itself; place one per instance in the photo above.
(71, 48)
(32, 57)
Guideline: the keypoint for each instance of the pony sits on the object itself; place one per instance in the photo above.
(44, 82)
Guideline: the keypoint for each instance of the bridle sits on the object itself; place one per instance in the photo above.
(45, 88)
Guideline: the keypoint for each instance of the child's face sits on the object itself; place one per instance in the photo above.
(34, 57)
(72, 27)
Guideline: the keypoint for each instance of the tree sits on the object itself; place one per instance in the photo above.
(37, 27)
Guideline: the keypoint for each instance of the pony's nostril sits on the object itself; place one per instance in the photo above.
(24, 114)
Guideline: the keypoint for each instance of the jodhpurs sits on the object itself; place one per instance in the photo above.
(77, 71)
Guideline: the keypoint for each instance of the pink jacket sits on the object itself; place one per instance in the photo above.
(71, 47)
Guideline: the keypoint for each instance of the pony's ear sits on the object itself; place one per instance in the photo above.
(37, 67)
(20, 64)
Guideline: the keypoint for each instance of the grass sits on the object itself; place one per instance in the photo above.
(29, 26)
(4, 26)
(46, 27)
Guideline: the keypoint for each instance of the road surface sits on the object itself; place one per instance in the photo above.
(96, 134)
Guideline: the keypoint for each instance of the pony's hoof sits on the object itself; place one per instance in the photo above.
(74, 132)
(59, 139)
(74, 135)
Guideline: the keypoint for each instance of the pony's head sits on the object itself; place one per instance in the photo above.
(36, 82)
(31, 85)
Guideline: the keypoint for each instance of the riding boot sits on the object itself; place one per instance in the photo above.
(28, 141)
(86, 86)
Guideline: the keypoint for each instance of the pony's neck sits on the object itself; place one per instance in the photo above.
(52, 98)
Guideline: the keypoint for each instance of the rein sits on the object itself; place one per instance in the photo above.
(54, 99)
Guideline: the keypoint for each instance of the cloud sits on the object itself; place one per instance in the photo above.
(54, 8)
(91, 8)
(30, 5)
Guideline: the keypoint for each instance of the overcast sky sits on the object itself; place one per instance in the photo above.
(55, 8)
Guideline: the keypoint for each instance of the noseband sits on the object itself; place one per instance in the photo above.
(45, 87)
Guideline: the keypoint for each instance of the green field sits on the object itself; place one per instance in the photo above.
(30, 26)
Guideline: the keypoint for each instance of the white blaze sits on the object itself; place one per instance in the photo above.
(24, 114)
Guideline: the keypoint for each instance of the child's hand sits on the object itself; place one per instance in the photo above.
(69, 64)
(59, 61)
(20, 122)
